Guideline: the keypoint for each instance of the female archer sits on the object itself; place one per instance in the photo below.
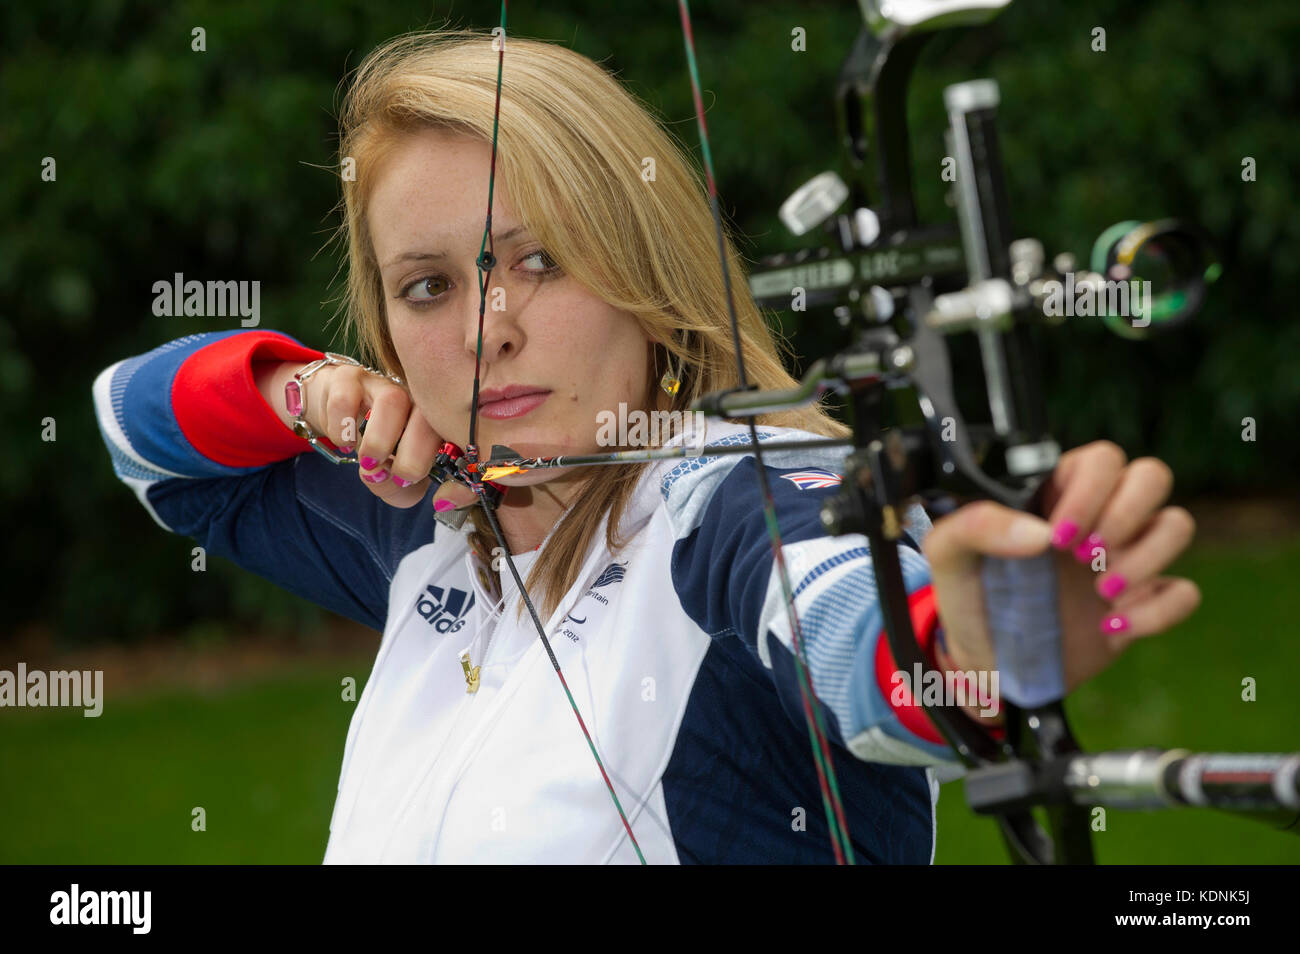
(654, 583)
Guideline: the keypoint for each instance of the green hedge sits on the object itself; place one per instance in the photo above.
(218, 165)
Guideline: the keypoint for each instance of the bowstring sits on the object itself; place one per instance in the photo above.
(826, 777)
(486, 262)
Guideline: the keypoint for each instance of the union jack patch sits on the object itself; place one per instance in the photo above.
(813, 479)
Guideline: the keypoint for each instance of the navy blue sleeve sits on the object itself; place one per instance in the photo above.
(725, 575)
(188, 431)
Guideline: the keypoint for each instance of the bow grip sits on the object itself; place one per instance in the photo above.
(1025, 625)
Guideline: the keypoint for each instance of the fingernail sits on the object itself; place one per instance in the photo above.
(369, 463)
(1112, 586)
(346, 450)
(1085, 551)
(1026, 531)
(378, 477)
(402, 483)
(1065, 532)
(1115, 623)
(443, 505)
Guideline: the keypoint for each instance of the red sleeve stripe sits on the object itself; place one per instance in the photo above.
(219, 409)
(924, 610)
(925, 623)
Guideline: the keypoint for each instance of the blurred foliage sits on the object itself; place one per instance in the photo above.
(219, 165)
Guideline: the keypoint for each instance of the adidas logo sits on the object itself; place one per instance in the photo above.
(444, 610)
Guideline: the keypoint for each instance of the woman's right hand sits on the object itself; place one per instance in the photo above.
(396, 452)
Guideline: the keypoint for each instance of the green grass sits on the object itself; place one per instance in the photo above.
(263, 759)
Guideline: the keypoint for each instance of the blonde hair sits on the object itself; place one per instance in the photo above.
(572, 144)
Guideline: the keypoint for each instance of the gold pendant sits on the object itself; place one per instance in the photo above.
(471, 675)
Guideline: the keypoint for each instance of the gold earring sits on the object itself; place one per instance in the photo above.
(670, 382)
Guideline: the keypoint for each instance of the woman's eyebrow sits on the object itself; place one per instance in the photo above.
(417, 256)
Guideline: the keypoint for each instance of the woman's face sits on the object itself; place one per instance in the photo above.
(554, 355)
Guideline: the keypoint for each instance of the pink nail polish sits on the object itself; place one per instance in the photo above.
(1112, 586)
(443, 505)
(1084, 552)
(346, 450)
(400, 482)
(1065, 532)
(369, 463)
(378, 477)
(1115, 623)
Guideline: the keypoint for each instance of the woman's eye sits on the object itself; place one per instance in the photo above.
(425, 290)
(546, 263)
(430, 288)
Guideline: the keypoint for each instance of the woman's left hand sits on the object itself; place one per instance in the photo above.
(1114, 536)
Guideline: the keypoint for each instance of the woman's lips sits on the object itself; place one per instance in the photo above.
(516, 406)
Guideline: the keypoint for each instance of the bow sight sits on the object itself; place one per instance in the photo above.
(907, 291)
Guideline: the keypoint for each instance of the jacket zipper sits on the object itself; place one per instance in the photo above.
(471, 672)
(466, 661)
